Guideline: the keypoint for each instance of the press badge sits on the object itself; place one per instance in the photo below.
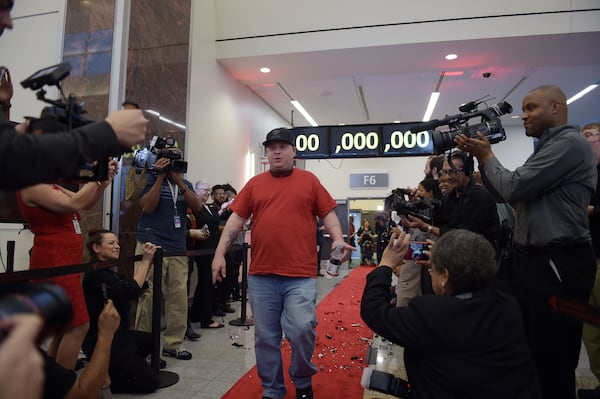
(76, 226)
(177, 221)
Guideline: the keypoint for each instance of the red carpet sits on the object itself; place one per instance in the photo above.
(342, 341)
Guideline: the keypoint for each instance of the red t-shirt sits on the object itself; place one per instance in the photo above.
(283, 211)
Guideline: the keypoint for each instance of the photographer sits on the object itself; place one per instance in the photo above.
(164, 203)
(468, 340)
(63, 383)
(468, 206)
(553, 253)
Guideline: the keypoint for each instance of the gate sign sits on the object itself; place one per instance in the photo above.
(369, 180)
(362, 141)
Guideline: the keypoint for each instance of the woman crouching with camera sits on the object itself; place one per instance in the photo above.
(468, 340)
(128, 370)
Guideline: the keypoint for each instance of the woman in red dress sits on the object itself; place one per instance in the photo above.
(51, 212)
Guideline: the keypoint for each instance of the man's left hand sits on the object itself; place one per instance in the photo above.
(480, 147)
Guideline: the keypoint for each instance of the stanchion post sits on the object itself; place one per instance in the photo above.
(10, 256)
(243, 320)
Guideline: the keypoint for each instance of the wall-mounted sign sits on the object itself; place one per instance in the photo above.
(369, 180)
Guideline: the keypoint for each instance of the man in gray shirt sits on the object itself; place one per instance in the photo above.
(553, 254)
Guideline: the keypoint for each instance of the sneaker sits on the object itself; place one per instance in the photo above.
(179, 353)
(304, 393)
(589, 393)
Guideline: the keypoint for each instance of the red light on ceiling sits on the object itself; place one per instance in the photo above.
(268, 85)
(455, 73)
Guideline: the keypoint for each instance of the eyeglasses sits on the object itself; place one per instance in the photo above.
(450, 172)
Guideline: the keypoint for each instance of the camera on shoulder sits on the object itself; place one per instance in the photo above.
(160, 147)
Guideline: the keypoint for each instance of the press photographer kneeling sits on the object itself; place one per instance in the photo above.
(468, 340)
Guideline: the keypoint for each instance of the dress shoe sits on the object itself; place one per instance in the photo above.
(227, 309)
(191, 334)
(304, 393)
(589, 393)
(218, 312)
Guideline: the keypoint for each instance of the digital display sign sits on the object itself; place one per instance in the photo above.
(354, 141)
(398, 140)
(362, 141)
(312, 142)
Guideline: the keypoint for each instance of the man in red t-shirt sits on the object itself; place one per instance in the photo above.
(283, 203)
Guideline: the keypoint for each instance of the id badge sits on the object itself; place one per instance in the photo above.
(177, 221)
(76, 226)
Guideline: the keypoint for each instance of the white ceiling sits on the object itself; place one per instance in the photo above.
(396, 81)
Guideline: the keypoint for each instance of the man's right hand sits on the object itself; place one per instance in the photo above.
(130, 126)
(109, 320)
(218, 268)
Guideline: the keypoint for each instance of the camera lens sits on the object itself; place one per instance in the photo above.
(48, 301)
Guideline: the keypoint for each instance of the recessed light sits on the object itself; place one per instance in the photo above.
(265, 70)
(396, 122)
(451, 56)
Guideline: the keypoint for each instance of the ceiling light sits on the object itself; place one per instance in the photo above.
(396, 122)
(166, 120)
(431, 106)
(451, 56)
(265, 70)
(582, 93)
(305, 114)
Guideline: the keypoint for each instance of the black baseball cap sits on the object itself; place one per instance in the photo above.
(280, 134)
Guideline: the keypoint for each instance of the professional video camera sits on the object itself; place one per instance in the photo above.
(48, 301)
(489, 124)
(61, 115)
(160, 147)
(399, 201)
(65, 110)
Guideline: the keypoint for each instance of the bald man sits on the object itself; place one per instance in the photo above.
(553, 253)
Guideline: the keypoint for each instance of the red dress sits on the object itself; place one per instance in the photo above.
(56, 243)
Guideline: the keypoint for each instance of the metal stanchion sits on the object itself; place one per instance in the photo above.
(166, 378)
(10, 256)
(243, 320)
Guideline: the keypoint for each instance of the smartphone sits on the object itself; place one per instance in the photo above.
(3, 74)
(416, 251)
(104, 292)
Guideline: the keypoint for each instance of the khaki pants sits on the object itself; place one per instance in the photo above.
(174, 293)
(409, 283)
(591, 334)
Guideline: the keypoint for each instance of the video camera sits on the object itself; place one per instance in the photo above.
(62, 115)
(489, 124)
(423, 208)
(48, 301)
(160, 147)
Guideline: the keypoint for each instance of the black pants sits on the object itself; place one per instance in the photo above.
(204, 295)
(554, 338)
(128, 370)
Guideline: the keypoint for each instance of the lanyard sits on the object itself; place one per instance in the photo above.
(174, 194)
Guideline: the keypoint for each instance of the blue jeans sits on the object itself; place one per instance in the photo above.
(283, 304)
